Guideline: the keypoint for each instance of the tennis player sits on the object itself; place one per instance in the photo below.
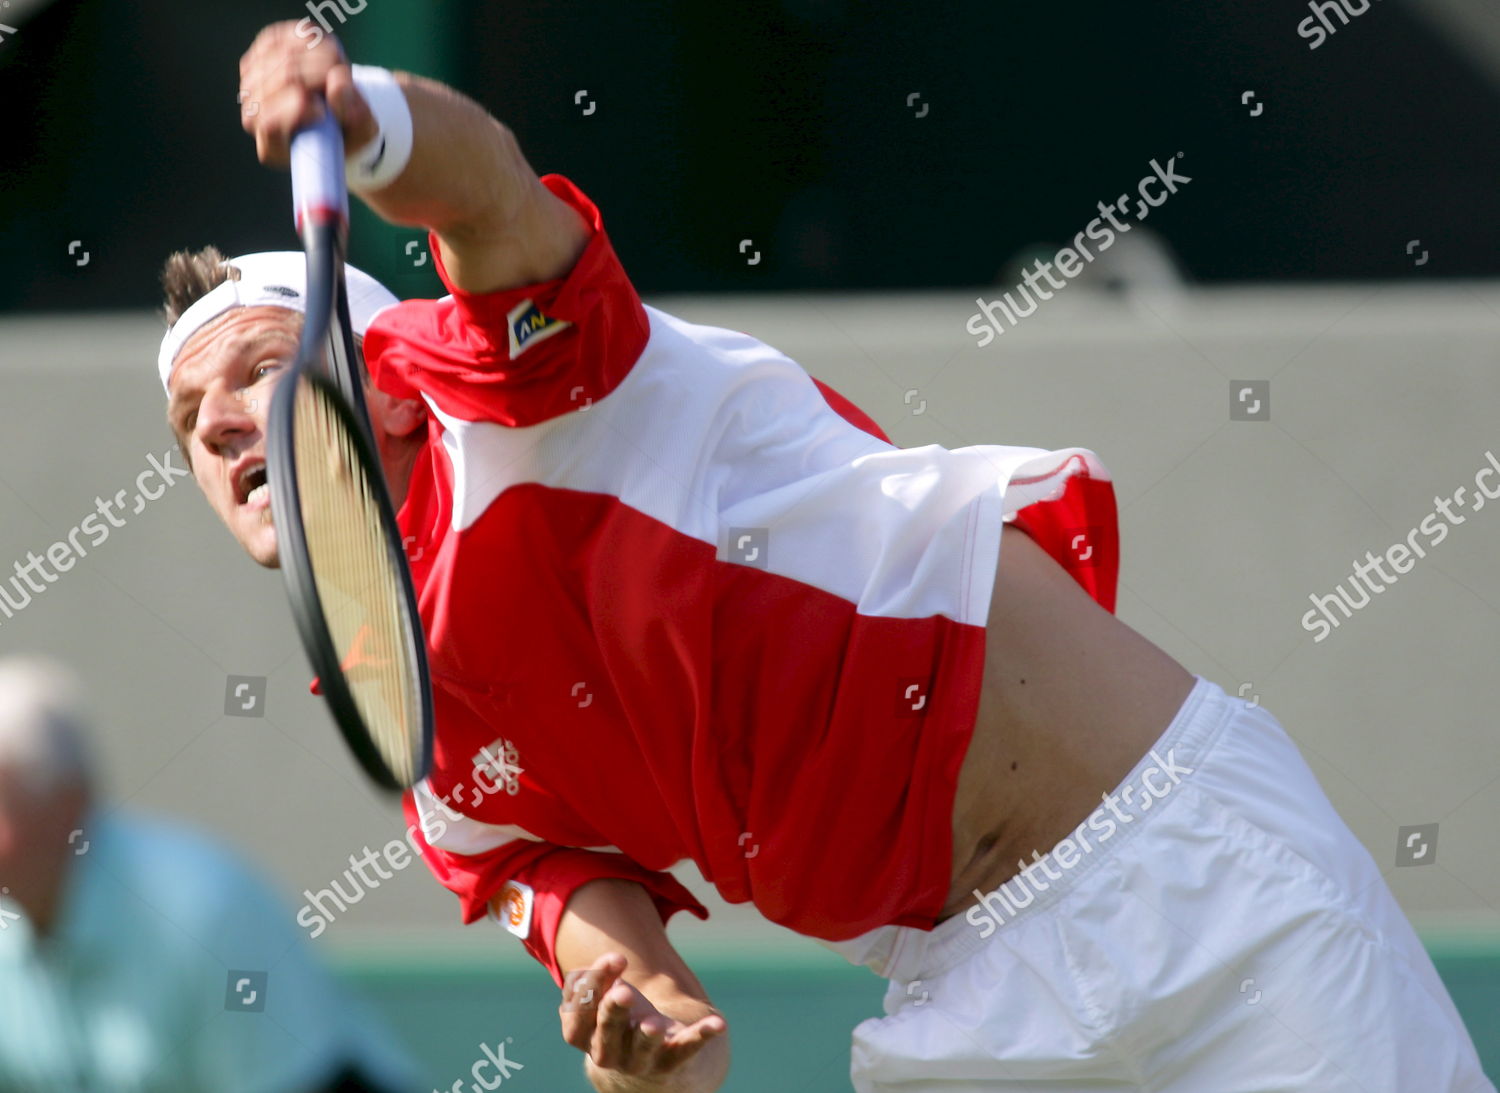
(685, 602)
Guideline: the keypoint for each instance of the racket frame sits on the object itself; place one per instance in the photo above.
(323, 226)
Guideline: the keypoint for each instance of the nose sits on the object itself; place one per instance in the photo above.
(227, 414)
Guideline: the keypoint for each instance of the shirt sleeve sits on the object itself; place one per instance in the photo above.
(521, 355)
(848, 411)
(533, 881)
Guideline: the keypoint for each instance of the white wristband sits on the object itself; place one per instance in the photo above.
(377, 164)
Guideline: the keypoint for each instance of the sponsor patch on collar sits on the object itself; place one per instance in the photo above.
(528, 326)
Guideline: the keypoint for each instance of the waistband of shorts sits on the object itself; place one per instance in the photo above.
(1186, 743)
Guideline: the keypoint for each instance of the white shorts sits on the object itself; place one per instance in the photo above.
(1219, 930)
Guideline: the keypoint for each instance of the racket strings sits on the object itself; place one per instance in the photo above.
(361, 590)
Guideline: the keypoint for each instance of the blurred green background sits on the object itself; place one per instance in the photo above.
(787, 121)
(790, 1015)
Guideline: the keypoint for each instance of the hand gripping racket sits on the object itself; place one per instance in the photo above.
(341, 550)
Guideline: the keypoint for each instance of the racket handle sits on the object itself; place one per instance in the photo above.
(319, 193)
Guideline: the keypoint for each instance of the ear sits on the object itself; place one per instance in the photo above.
(396, 417)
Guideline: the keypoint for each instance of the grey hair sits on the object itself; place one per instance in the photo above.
(43, 727)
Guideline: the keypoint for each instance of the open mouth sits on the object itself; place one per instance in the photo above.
(251, 486)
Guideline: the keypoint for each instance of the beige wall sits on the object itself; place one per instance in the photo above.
(1382, 398)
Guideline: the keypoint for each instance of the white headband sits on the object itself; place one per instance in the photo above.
(269, 279)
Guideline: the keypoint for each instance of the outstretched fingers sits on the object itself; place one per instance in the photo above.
(686, 1041)
(583, 996)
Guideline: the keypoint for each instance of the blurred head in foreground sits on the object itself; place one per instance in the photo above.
(45, 781)
(139, 957)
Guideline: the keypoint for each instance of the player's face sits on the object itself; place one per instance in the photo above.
(221, 391)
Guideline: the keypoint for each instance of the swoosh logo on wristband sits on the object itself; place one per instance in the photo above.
(374, 161)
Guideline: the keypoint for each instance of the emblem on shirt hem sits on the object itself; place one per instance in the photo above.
(512, 908)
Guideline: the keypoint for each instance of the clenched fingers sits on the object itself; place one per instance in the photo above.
(283, 83)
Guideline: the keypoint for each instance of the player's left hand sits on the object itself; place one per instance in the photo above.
(621, 1031)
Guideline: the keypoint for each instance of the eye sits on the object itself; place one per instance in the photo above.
(263, 368)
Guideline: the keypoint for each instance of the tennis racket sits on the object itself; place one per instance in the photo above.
(341, 551)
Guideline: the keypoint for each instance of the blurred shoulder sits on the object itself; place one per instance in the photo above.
(171, 862)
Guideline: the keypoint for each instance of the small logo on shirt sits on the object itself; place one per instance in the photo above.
(528, 326)
(500, 761)
(512, 908)
(283, 290)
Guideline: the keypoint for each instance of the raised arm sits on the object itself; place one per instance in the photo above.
(630, 1002)
(467, 180)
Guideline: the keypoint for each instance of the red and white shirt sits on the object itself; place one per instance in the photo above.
(684, 601)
